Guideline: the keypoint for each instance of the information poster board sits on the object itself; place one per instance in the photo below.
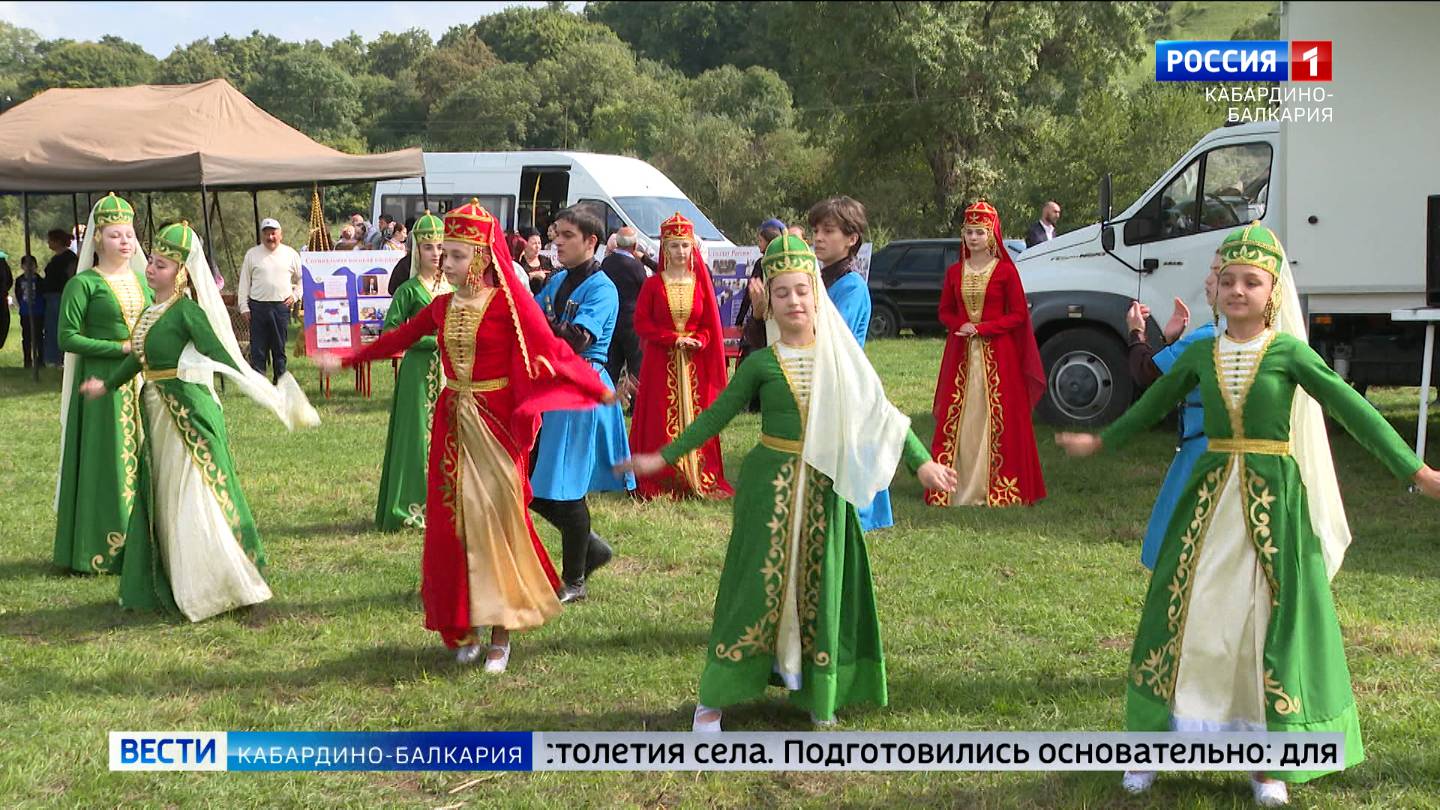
(730, 272)
(345, 296)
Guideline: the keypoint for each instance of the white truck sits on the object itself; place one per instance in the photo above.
(528, 188)
(1355, 199)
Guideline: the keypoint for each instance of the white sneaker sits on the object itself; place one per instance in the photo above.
(1270, 794)
(1137, 782)
(706, 719)
(494, 664)
(818, 723)
(470, 653)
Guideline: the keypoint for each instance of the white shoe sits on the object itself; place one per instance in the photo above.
(709, 723)
(822, 723)
(470, 653)
(497, 665)
(1270, 794)
(1136, 782)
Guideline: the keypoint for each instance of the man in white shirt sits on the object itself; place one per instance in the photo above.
(269, 286)
(1043, 229)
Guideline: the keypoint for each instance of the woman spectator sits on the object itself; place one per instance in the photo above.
(347, 240)
(537, 267)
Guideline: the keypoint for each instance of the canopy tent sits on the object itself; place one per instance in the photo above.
(158, 137)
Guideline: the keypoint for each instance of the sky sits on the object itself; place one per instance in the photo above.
(159, 27)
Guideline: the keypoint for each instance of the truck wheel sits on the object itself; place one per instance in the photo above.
(1087, 379)
(884, 322)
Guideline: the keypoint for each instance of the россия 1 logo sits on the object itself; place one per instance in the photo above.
(1242, 61)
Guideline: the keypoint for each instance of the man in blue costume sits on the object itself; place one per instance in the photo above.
(837, 225)
(577, 450)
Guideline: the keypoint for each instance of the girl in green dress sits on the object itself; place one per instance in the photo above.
(403, 478)
(796, 603)
(191, 543)
(99, 439)
(1239, 631)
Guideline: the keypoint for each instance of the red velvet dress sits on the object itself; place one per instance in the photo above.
(989, 384)
(483, 564)
(677, 384)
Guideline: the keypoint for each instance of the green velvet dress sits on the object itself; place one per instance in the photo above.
(99, 458)
(796, 555)
(1239, 630)
(403, 477)
(191, 543)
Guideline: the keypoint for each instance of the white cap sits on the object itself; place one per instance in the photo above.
(267, 223)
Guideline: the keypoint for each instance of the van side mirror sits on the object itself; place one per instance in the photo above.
(1105, 194)
(1107, 237)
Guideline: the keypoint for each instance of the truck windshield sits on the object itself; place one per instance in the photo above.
(648, 212)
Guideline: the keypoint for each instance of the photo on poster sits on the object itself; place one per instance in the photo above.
(332, 311)
(336, 286)
(369, 284)
(369, 332)
(373, 309)
(332, 336)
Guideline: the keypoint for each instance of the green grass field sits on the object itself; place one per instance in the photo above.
(993, 620)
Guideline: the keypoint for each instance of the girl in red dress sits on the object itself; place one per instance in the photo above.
(682, 367)
(483, 565)
(990, 377)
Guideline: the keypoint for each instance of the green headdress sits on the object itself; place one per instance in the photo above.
(428, 228)
(787, 254)
(112, 210)
(1257, 246)
(175, 241)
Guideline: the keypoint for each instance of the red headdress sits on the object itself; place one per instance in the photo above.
(983, 214)
(545, 373)
(712, 357)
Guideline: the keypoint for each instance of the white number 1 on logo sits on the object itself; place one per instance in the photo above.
(1313, 57)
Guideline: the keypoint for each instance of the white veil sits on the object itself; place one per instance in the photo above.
(852, 433)
(284, 398)
(85, 264)
(1309, 442)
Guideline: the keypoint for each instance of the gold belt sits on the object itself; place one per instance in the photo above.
(790, 446)
(151, 375)
(478, 386)
(1264, 447)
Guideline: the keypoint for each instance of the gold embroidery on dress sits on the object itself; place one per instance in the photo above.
(1161, 665)
(759, 638)
(215, 478)
(813, 549)
(1284, 704)
(973, 285)
(951, 437)
(1255, 492)
(114, 541)
(1003, 490)
(680, 295)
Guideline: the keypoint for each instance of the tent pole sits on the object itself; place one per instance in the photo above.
(205, 211)
(424, 192)
(149, 219)
(255, 203)
(38, 347)
(74, 218)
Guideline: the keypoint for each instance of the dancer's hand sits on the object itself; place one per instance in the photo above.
(1078, 444)
(327, 363)
(609, 398)
(642, 465)
(756, 289)
(94, 388)
(966, 330)
(687, 343)
(1179, 319)
(125, 347)
(936, 476)
(1428, 480)
(1135, 317)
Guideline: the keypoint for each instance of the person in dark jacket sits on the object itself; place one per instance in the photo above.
(1043, 229)
(58, 270)
(628, 274)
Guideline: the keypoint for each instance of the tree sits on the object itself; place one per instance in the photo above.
(952, 82)
(308, 91)
(756, 97)
(350, 53)
(573, 84)
(249, 56)
(392, 53)
(111, 62)
(692, 37)
(528, 35)
(197, 62)
(492, 112)
(18, 55)
(461, 57)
